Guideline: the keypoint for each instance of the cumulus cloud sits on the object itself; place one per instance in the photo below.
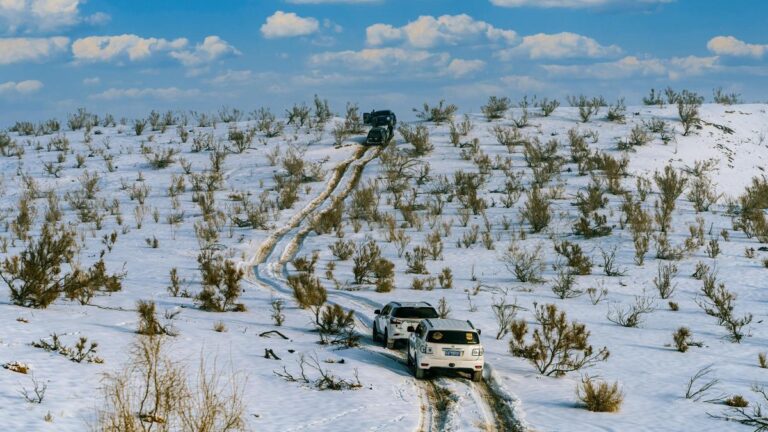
(559, 46)
(231, 77)
(571, 4)
(459, 68)
(631, 66)
(167, 93)
(332, 1)
(91, 81)
(282, 24)
(133, 47)
(43, 15)
(428, 31)
(16, 50)
(212, 48)
(380, 58)
(21, 87)
(523, 83)
(730, 46)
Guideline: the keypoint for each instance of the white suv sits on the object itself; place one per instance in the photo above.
(392, 322)
(446, 344)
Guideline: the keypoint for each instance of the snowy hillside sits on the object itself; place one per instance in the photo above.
(296, 193)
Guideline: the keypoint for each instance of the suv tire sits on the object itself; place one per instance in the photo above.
(375, 334)
(418, 372)
(388, 343)
(477, 376)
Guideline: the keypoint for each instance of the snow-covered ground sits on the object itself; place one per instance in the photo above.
(651, 372)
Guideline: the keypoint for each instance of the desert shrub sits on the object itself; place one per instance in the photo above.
(278, 317)
(663, 280)
(718, 302)
(496, 107)
(153, 392)
(440, 113)
(762, 360)
(35, 277)
(416, 261)
(298, 116)
(174, 289)
(82, 351)
(86, 283)
(308, 292)
(688, 104)
(445, 278)
(577, 260)
(418, 137)
(149, 325)
(162, 158)
(587, 107)
(682, 338)
(702, 192)
(343, 250)
(638, 137)
(548, 106)
(723, 98)
(557, 346)
(671, 185)
(267, 123)
(241, 140)
(564, 285)
(599, 396)
(505, 314)
(617, 112)
(466, 188)
(221, 283)
(536, 210)
(526, 266)
(337, 326)
(654, 98)
(364, 203)
(631, 315)
(736, 401)
(508, 137)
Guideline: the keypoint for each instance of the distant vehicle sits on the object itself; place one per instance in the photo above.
(451, 344)
(391, 323)
(382, 124)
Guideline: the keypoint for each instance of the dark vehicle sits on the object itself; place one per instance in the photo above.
(382, 124)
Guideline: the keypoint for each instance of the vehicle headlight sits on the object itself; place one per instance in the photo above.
(478, 352)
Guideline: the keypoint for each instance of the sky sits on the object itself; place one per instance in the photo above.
(131, 56)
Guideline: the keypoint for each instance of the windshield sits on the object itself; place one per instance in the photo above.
(415, 312)
(454, 337)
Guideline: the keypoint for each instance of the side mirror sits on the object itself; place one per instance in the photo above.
(411, 329)
(377, 311)
(479, 332)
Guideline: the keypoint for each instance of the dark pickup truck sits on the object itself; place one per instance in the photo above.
(382, 124)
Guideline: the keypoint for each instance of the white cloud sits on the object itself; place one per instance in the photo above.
(92, 81)
(730, 46)
(523, 83)
(167, 93)
(107, 48)
(572, 4)
(558, 46)
(44, 15)
(631, 66)
(98, 19)
(283, 24)
(21, 87)
(231, 77)
(459, 68)
(428, 31)
(15, 50)
(380, 58)
(212, 48)
(332, 1)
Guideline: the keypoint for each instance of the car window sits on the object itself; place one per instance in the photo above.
(386, 310)
(415, 312)
(453, 337)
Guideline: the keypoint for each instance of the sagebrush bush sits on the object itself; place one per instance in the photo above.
(527, 266)
(557, 346)
(308, 292)
(536, 210)
(337, 326)
(496, 107)
(580, 263)
(221, 283)
(440, 113)
(671, 185)
(418, 137)
(599, 396)
(688, 104)
(682, 338)
(149, 325)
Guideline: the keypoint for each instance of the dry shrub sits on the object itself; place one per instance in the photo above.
(308, 292)
(599, 396)
(762, 360)
(536, 210)
(439, 113)
(682, 338)
(558, 346)
(149, 325)
(736, 401)
(155, 393)
(221, 283)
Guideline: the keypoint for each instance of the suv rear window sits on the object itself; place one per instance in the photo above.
(415, 312)
(453, 337)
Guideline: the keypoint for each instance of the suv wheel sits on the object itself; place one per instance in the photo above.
(418, 372)
(477, 376)
(389, 343)
(375, 333)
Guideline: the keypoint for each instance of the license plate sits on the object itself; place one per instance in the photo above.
(453, 353)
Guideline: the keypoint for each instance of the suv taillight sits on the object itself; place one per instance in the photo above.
(478, 352)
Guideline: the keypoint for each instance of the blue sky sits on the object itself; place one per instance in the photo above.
(128, 57)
